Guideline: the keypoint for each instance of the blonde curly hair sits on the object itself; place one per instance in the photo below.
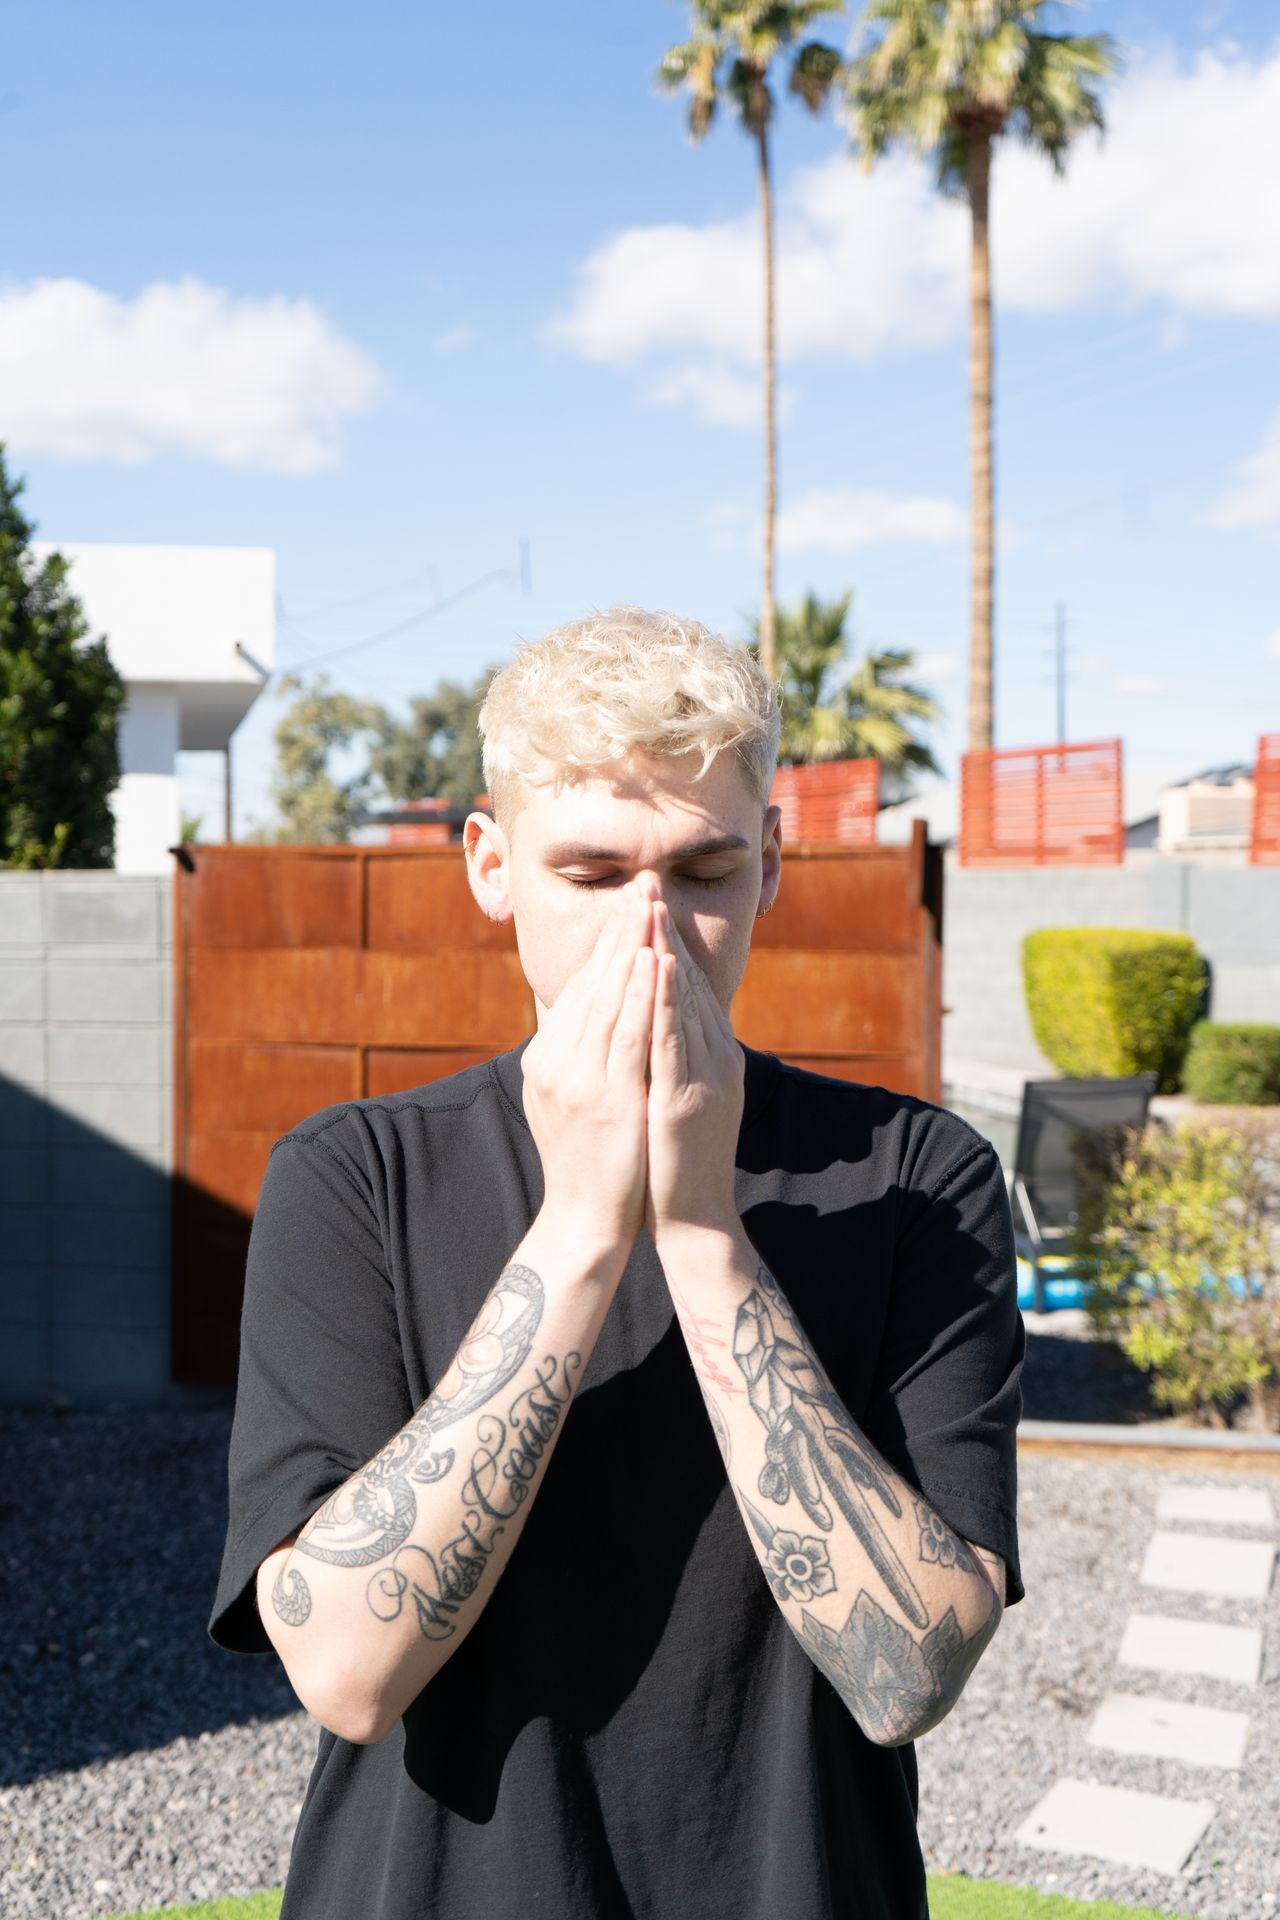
(620, 681)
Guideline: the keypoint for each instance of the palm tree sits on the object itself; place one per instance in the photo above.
(869, 714)
(734, 44)
(950, 77)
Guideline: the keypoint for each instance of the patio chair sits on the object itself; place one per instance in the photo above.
(1047, 1163)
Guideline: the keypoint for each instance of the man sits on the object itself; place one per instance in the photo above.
(623, 1458)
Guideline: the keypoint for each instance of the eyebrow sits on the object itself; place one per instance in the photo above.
(569, 851)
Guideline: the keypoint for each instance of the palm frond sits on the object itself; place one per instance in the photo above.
(936, 74)
(813, 73)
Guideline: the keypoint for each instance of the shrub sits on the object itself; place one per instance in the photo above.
(1112, 1000)
(1178, 1243)
(1235, 1065)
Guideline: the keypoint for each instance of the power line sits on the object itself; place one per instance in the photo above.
(522, 572)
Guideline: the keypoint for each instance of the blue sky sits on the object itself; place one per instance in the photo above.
(445, 280)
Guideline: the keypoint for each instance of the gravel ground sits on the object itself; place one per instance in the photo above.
(141, 1766)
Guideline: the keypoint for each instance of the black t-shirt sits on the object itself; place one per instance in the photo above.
(631, 1729)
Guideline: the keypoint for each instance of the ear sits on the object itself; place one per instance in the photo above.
(771, 856)
(487, 855)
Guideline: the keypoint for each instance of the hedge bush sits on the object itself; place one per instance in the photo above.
(1110, 1001)
(1176, 1245)
(1235, 1065)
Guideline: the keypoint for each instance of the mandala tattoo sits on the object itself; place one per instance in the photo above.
(291, 1597)
(812, 1448)
(889, 1679)
(369, 1517)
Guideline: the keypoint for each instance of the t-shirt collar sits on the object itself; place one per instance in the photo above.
(758, 1086)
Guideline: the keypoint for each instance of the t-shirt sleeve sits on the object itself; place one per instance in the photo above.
(321, 1385)
(947, 1399)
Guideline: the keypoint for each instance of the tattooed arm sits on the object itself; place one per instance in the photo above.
(889, 1603)
(387, 1578)
(384, 1582)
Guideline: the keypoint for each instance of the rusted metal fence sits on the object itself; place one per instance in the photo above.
(310, 975)
(1264, 839)
(1043, 806)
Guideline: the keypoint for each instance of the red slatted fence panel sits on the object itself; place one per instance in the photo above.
(1264, 841)
(1043, 806)
(832, 800)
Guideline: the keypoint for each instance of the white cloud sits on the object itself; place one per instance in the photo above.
(1140, 683)
(180, 368)
(934, 666)
(451, 339)
(1255, 500)
(717, 395)
(873, 263)
(842, 519)
(1273, 646)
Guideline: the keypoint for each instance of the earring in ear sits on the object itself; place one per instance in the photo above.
(761, 911)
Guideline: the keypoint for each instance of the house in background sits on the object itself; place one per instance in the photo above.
(192, 631)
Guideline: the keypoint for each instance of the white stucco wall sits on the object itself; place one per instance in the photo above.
(146, 802)
(174, 619)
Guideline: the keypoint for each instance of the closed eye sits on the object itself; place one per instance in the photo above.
(612, 879)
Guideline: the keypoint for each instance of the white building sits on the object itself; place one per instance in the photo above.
(192, 630)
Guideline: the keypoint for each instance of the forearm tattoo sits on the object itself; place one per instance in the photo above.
(811, 1446)
(896, 1682)
(368, 1520)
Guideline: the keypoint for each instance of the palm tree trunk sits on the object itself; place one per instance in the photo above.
(982, 490)
(768, 616)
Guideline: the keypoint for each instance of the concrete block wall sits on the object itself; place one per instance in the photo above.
(85, 1149)
(1232, 914)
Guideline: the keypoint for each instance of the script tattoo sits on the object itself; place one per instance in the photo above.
(811, 1445)
(503, 1466)
(890, 1680)
(292, 1601)
(372, 1514)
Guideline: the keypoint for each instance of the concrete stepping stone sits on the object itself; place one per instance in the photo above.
(1163, 1644)
(1220, 1506)
(1209, 1563)
(1170, 1730)
(1117, 1823)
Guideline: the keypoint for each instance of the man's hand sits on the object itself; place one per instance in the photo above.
(696, 1073)
(584, 1081)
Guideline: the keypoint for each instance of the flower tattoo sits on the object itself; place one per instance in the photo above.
(937, 1542)
(798, 1569)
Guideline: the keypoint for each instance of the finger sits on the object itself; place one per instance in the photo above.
(629, 1041)
(697, 1023)
(713, 1019)
(668, 1056)
(607, 996)
(581, 986)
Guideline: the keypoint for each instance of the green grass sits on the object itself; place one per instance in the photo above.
(961, 1899)
(949, 1899)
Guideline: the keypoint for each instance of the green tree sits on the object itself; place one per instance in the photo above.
(315, 806)
(864, 712)
(729, 57)
(950, 78)
(436, 753)
(59, 707)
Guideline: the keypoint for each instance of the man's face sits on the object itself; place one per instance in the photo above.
(709, 850)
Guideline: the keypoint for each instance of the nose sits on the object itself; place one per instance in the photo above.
(649, 882)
